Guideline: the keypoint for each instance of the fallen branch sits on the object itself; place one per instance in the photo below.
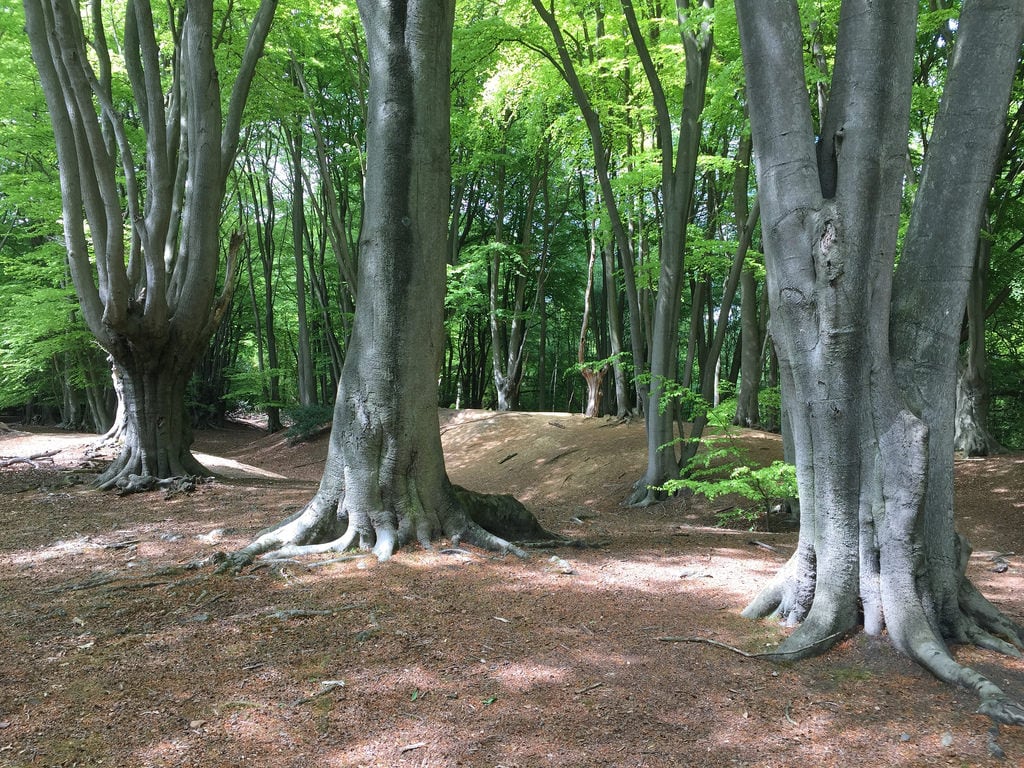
(557, 456)
(328, 687)
(12, 460)
(747, 655)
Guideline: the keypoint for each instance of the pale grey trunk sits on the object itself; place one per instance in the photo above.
(144, 257)
(876, 524)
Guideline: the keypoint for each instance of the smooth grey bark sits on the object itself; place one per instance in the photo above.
(145, 257)
(867, 356)
(385, 484)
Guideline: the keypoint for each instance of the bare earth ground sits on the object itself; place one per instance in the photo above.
(113, 654)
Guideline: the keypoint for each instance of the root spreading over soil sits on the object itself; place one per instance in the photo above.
(117, 653)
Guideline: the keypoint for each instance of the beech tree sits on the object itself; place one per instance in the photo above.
(385, 484)
(142, 224)
(868, 351)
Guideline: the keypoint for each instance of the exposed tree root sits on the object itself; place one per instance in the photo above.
(980, 624)
(490, 522)
(132, 462)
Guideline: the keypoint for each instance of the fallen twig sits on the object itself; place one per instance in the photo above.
(12, 460)
(327, 687)
(748, 655)
(411, 747)
(590, 687)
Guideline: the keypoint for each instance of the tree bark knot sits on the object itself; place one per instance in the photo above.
(829, 254)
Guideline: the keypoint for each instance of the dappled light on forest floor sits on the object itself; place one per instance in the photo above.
(455, 657)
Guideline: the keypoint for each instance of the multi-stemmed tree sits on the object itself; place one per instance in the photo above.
(868, 349)
(143, 166)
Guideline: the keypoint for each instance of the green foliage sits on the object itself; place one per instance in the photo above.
(723, 467)
(307, 421)
(623, 358)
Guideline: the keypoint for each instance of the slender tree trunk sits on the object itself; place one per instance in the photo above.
(748, 412)
(593, 376)
(622, 390)
(304, 359)
(678, 168)
(972, 394)
(604, 177)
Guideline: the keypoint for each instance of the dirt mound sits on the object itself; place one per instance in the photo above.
(120, 654)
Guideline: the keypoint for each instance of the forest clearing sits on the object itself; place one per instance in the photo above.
(119, 653)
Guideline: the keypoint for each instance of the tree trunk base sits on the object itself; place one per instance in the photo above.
(789, 596)
(132, 462)
(498, 523)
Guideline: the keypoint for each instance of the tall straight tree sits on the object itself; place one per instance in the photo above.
(868, 351)
(385, 482)
(142, 224)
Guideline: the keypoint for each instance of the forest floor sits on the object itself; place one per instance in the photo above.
(114, 653)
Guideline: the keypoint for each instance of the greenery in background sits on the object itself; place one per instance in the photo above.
(307, 421)
(511, 109)
(723, 467)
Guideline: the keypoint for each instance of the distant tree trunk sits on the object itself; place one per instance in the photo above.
(143, 237)
(306, 375)
(385, 482)
(873, 380)
(604, 177)
(748, 412)
(592, 375)
(623, 405)
(972, 387)
(263, 206)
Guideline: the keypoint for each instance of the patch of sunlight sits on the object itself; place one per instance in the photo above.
(58, 549)
(234, 469)
(520, 678)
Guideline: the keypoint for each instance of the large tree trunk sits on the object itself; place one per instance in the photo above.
(385, 483)
(157, 432)
(877, 533)
(142, 229)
